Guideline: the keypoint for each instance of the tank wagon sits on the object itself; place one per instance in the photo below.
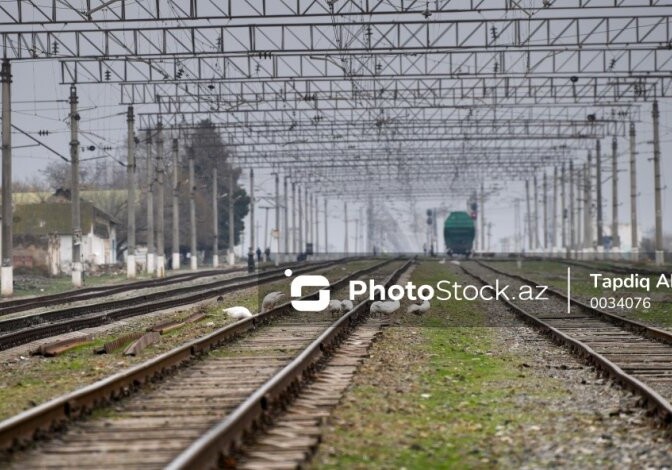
(459, 231)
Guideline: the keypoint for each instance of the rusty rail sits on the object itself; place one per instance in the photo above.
(52, 415)
(226, 437)
(653, 398)
(39, 326)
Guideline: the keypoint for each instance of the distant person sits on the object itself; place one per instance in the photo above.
(250, 261)
(258, 255)
(424, 248)
(267, 252)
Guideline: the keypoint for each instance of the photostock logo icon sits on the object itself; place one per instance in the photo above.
(324, 296)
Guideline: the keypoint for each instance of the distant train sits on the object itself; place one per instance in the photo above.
(459, 232)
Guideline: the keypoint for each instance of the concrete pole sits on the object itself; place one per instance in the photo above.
(587, 204)
(160, 205)
(295, 237)
(277, 217)
(587, 212)
(482, 219)
(316, 226)
(530, 238)
(231, 259)
(616, 240)
(252, 204)
(7, 270)
(326, 228)
(563, 207)
(130, 181)
(579, 229)
(286, 230)
(634, 236)
(537, 245)
(151, 260)
(192, 215)
(554, 223)
(306, 202)
(598, 192)
(660, 254)
(176, 206)
(346, 248)
(299, 208)
(74, 190)
(545, 209)
(572, 220)
(285, 214)
(215, 217)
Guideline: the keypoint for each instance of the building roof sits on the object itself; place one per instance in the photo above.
(45, 218)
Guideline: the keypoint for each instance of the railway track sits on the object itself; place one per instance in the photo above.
(614, 268)
(8, 307)
(635, 355)
(200, 415)
(18, 331)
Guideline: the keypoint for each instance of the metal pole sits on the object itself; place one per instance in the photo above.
(530, 238)
(277, 217)
(151, 266)
(252, 204)
(7, 270)
(192, 214)
(660, 254)
(215, 217)
(130, 175)
(176, 206)
(160, 205)
(598, 192)
(326, 228)
(615, 239)
(231, 259)
(345, 220)
(74, 191)
(634, 236)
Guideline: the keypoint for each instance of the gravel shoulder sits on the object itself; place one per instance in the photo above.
(444, 391)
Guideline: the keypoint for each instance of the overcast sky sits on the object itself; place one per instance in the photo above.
(40, 103)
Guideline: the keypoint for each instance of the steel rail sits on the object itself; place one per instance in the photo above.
(29, 328)
(51, 416)
(27, 303)
(227, 436)
(632, 325)
(653, 398)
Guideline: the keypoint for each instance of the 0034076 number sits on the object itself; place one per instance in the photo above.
(628, 303)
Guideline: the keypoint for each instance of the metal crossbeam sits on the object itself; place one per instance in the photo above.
(246, 97)
(270, 42)
(565, 63)
(60, 12)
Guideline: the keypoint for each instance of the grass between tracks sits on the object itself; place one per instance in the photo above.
(31, 380)
(434, 394)
(554, 273)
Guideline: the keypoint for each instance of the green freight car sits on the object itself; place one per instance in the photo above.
(459, 232)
